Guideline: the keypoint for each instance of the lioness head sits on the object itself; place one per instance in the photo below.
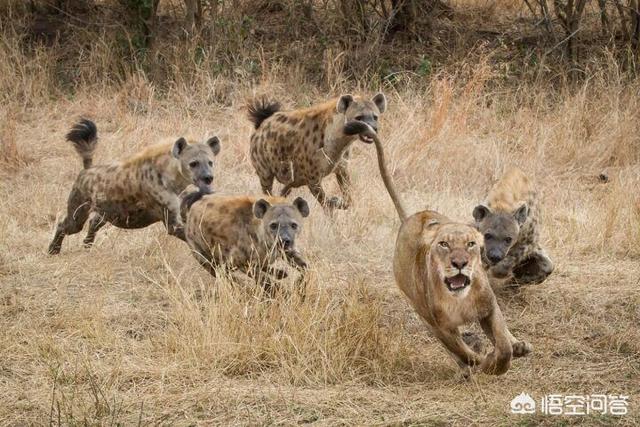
(196, 161)
(281, 223)
(455, 254)
(362, 110)
(500, 230)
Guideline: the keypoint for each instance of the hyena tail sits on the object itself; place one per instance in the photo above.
(84, 137)
(260, 109)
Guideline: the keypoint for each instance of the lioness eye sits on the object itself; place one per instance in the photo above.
(273, 226)
(193, 164)
(444, 244)
(471, 244)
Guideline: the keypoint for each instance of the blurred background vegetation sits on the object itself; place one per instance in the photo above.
(326, 43)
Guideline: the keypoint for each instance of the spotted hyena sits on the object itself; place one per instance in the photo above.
(301, 147)
(245, 233)
(509, 222)
(136, 192)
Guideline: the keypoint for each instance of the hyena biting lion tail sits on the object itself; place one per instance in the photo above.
(84, 137)
(260, 109)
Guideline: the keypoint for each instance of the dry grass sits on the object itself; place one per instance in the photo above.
(134, 331)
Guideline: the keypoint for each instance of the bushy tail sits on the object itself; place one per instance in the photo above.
(260, 109)
(357, 127)
(84, 136)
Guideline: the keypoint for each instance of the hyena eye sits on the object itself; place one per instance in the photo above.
(273, 226)
(508, 240)
(193, 164)
(443, 244)
(210, 163)
(375, 117)
(359, 118)
(471, 244)
(488, 236)
(294, 226)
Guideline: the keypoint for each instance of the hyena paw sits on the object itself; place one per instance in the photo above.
(521, 349)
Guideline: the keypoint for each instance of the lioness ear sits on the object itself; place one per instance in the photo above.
(178, 146)
(521, 214)
(302, 206)
(343, 103)
(260, 208)
(480, 212)
(381, 102)
(214, 144)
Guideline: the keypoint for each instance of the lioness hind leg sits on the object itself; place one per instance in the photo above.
(534, 269)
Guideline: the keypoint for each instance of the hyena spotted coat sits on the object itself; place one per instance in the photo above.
(244, 233)
(509, 221)
(301, 147)
(136, 192)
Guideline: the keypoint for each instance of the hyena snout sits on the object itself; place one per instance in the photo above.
(495, 256)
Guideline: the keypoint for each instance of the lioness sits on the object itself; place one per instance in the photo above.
(437, 265)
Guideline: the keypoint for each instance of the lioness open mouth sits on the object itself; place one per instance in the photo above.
(366, 138)
(457, 282)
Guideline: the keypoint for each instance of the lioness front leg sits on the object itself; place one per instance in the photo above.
(452, 340)
(499, 360)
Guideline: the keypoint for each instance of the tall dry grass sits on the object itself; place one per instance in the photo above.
(133, 331)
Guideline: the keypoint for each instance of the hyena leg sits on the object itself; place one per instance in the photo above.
(95, 224)
(344, 182)
(318, 193)
(78, 208)
(535, 269)
(266, 182)
(172, 218)
(286, 189)
(205, 260)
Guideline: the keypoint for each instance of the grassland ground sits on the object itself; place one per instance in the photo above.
(135, 331)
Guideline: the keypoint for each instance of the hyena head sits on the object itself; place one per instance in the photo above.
(363, 110)
(500, 230)
(281, 222)
(196, 161)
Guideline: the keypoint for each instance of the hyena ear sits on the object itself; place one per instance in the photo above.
(480, 212)
(521, 214)
(178, 146)
(381, 102)
(343, 103)
(214, 144)
(260, 208)
(302, 206)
